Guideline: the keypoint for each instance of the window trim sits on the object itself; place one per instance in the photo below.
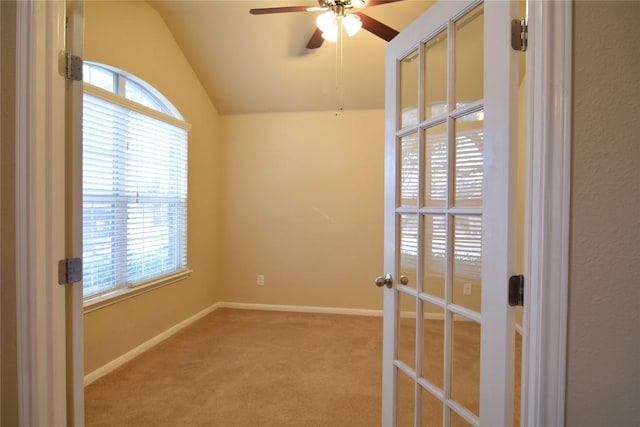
(120, 100)
(93, 303)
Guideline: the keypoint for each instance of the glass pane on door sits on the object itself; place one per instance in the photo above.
(467, 258)
(465, 364)
(435, 166)
(433, 345)
(408, 245)
(405, 404)
(469, 57)
(409, 174)
(434, 253)
(409, 83)
(469, 145)
(407, 330)
(458, 421)
(431, 411)
(435, 76)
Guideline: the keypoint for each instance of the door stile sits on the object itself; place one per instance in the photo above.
(73, 239)
(497, 375)
(390, 320)
(446, 211)
(420, 240)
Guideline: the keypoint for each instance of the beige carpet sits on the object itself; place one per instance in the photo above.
(240, 368)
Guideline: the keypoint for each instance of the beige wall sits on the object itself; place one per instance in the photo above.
(133, 37)
(303, 205)
(603, 382)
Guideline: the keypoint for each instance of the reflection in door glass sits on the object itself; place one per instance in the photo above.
(409, 173)
(469, 57)
(467, 260)
(431, 410)
(409, 68)
(458, 421)
(406, 400)
(465, 364)
(434, 253)
(469, 134)
(433, 345)
(409, 248)
(435, 76)
(435, 166)
(407, 330)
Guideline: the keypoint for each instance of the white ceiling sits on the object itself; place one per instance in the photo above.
(258, 63)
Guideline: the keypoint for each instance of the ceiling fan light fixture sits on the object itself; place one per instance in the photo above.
(352, 24)
(326, 22)
(331, 35)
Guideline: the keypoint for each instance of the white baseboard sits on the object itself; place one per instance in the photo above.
(116, 363)
(301, 309)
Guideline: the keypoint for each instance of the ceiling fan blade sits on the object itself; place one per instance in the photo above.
(376, 27)
(316, 39)
(371, 3)
(268, 10)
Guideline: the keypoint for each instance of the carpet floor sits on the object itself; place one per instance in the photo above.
(242, 368)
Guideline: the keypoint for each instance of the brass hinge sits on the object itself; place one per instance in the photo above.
(71, 66)
(516, 290)
(69, 271)
(519, 35)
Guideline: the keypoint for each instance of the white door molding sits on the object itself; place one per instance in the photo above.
(548, 220)
(39, 210)
(74, 312)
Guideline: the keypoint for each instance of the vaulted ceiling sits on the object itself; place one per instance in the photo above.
(259, 63)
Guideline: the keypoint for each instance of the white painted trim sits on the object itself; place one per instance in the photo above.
(94, 303)
(301, 309)
(74, 44)
(548, 216)
(39, 210)
(116, 363)
(123, 102)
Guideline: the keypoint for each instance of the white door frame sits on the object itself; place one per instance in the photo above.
(74, 310)
(40, 120)
(39, 213)
(548, 218)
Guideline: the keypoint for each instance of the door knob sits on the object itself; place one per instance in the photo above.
(404, 280)
(386, 280)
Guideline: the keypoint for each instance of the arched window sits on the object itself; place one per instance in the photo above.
(134, 185)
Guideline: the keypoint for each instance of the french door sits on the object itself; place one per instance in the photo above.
(448, 357)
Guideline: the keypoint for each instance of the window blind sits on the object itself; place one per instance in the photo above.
(134, 195)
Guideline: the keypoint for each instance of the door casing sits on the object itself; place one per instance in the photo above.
(549, 111)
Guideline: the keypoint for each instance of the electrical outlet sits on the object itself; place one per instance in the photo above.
(260, 281)
(467, 289)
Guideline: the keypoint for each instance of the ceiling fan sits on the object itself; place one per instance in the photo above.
(334, 12)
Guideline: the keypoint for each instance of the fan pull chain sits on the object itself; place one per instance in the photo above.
(339, 68)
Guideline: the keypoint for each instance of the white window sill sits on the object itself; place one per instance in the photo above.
(95, 303)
